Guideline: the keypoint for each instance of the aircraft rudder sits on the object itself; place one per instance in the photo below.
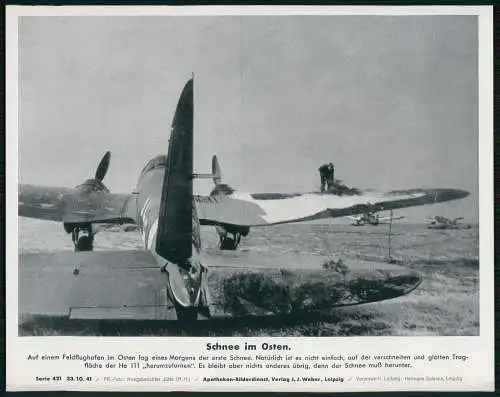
(174, 238)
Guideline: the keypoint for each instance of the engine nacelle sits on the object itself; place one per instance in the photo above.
(241, 230)
(69, 227)
(91, 186)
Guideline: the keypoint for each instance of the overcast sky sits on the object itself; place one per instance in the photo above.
(391, 101)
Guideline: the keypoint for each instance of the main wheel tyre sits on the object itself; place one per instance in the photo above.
(228, 244)
(84, 243)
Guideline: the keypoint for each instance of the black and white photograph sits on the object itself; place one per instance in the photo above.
(248, 175)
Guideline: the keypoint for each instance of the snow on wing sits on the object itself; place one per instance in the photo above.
(244, 209)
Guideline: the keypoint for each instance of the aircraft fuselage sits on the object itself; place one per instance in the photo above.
(148, 195)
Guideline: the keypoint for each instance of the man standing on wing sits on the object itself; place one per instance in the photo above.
(327, 173)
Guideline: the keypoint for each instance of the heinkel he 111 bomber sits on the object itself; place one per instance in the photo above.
(172, 277)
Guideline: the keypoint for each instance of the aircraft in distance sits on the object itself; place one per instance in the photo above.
(172, 277)
(441, 222)
(372, 218)
(119, 228)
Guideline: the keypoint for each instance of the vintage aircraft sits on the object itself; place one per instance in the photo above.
(441, 222)
(373, 219)
(172, 277)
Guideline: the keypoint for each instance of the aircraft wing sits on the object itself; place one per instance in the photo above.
(245, 209)
(69, 206)
(110, 285)
(388, 218)
(258, 283)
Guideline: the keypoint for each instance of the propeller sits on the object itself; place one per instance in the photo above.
(103, 166)
(96, 184)
(90, 186)
(217, 177)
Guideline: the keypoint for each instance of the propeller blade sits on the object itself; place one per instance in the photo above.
(102, 168)
(217, 176)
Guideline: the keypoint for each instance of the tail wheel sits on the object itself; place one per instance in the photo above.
(185, 315)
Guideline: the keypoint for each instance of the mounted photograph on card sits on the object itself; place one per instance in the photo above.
(201, 173)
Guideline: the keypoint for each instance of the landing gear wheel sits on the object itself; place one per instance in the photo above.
(84, 243)
(230, 244)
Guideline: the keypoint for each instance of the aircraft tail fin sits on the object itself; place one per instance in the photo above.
(175, 221)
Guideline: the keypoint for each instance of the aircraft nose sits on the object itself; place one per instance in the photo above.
(450, 194)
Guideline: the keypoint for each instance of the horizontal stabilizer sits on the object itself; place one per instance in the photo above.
(114, 285)
(258, 284)
(128, 285)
